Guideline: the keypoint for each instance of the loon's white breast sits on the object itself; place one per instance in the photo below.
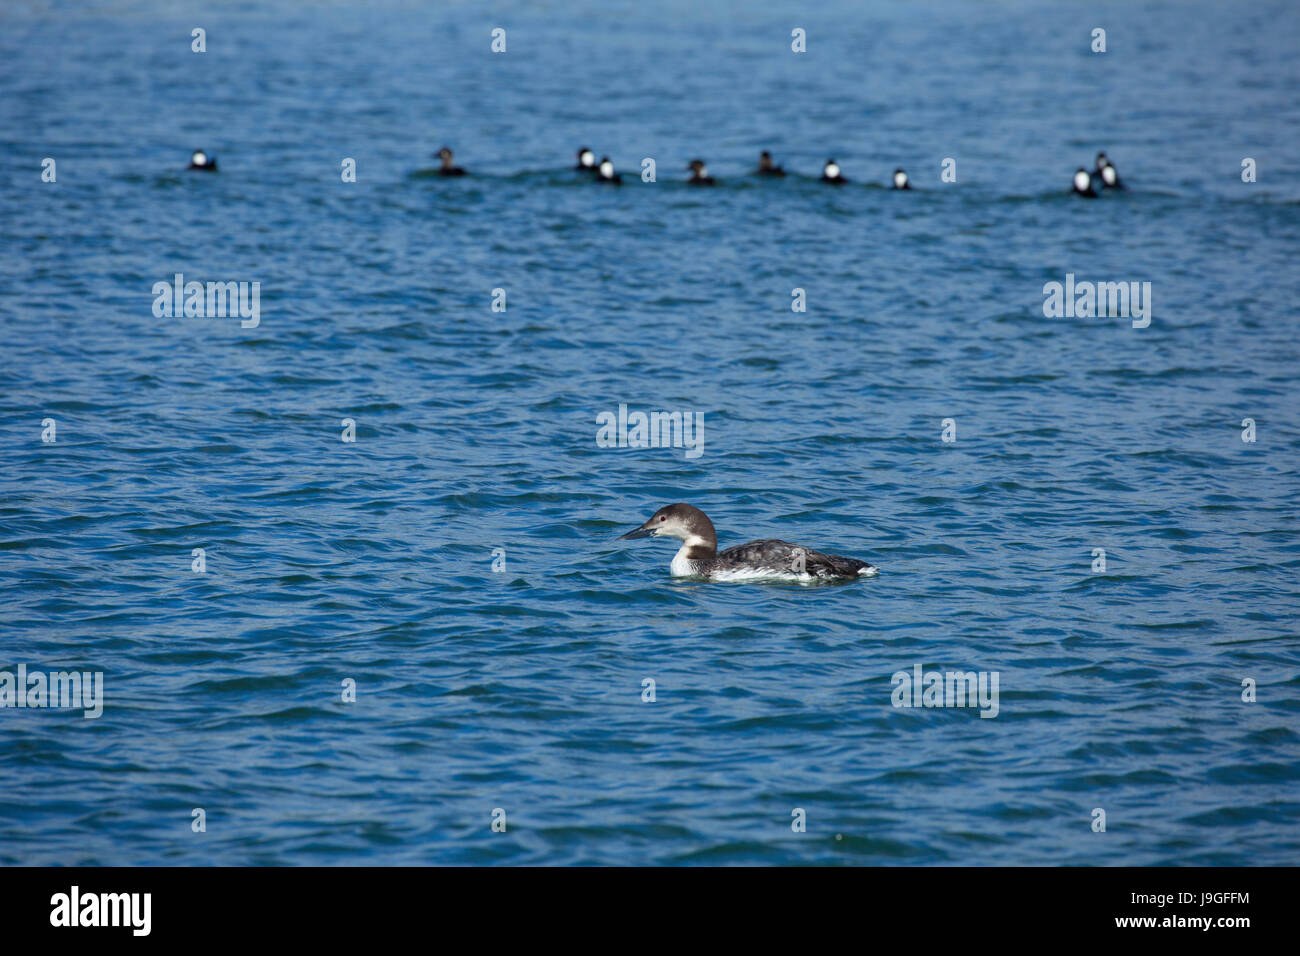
(682, 566)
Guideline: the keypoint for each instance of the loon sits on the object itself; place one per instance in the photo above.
(699, 173)
(202, 162)
(447, 168)
(1083, 184)
(774, 560)
(900, 180)
(831, 173)
(1106, 170)
(605, 172)
(765, 167)
(586, 160)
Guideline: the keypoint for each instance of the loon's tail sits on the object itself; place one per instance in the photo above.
(834, 565)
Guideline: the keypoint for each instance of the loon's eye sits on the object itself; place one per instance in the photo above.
(662, 517)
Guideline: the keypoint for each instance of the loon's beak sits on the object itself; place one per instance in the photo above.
(641, 532)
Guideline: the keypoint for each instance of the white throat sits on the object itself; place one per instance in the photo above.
(832, 171)
(607, 169)
(1082, 182)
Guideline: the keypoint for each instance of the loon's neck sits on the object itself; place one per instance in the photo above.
(698, 547)
(695, 549)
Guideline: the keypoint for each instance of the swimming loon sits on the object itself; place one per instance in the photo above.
(202, 162)
(1106, 170)
(586, 160)
(774, 560)
(1083, 184)
(447, 168)
(605, 172)
(765, 167)
(699, 173)
(831, 173)
(900, 180)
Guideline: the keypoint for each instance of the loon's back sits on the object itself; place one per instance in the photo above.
(781, 558)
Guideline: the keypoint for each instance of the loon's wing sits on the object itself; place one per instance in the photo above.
(774, 553)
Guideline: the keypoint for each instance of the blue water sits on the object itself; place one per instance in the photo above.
(521, 689)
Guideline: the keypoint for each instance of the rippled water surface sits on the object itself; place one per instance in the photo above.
(522, 689)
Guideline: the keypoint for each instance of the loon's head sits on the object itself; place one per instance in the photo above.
(606, 168)
(764, 160)
(200, 160)
(1082, 181)
(900, 179)
(1102, 161)
(586, 158)
(684, 522)
(831, 170)
(445, 155)
(697, 167)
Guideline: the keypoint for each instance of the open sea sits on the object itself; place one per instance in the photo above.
(456, 567)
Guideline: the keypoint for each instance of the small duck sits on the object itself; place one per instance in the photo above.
(202, 162)
(767, 559)
(1083, 184)
(900, 180)
(447, 168)
(699, 173)
(586, 160)
(831, 173)
(1108, 173)
(605, 172)
(765, 166)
